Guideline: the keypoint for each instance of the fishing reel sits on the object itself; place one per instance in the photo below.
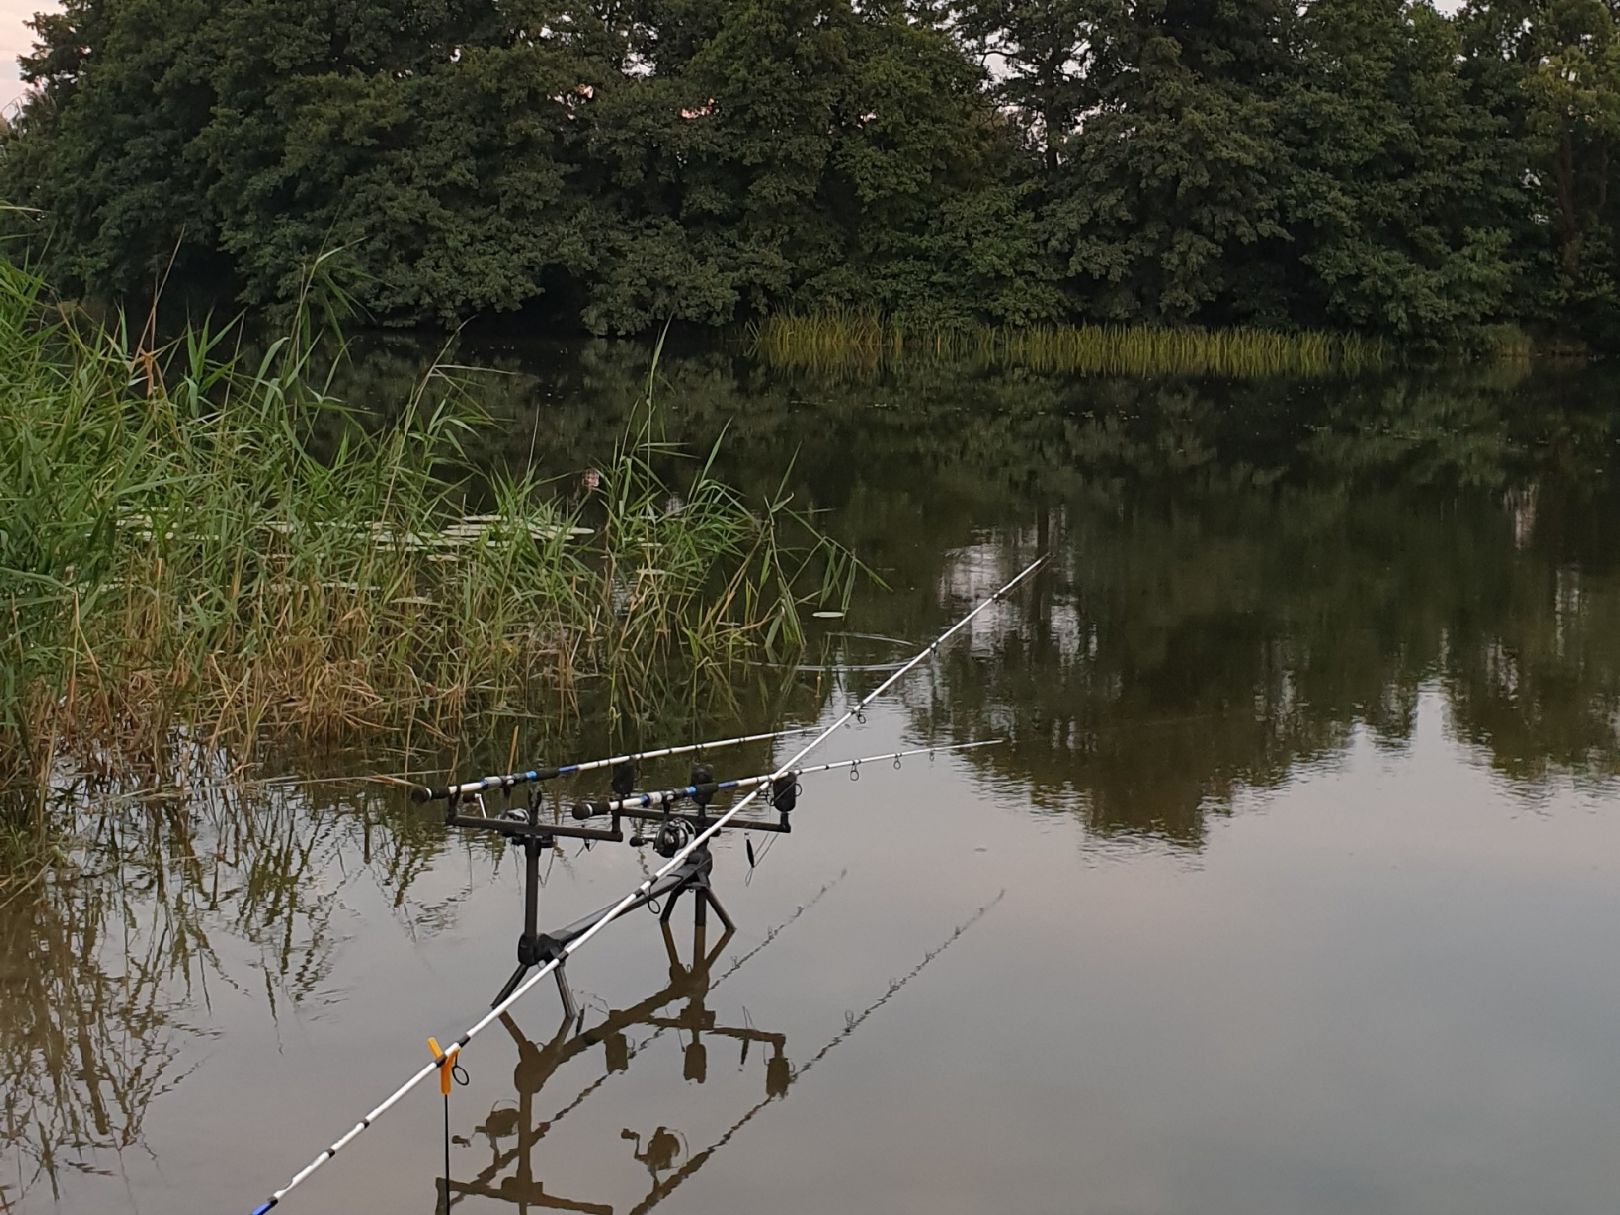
(523, 815)
(672, 835)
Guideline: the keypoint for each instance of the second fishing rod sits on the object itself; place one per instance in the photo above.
(623, 765)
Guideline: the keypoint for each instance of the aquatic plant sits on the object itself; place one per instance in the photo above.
(198, 542)
(830, 339)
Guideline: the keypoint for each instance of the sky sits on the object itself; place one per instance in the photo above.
(15, 39)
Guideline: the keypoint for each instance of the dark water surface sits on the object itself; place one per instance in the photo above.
(1295, 890)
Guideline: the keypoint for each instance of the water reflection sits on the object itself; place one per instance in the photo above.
(663, 1152)
(1249, 582)
(689, 984)
(111, 971)
(1246, 572)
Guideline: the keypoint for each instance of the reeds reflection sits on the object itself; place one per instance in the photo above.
(111, 965)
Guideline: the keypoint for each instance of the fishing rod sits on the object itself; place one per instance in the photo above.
(701, 840)
(782, 784)
(675, 829)
(624, 781)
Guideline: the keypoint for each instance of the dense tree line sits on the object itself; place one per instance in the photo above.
(1365, 164)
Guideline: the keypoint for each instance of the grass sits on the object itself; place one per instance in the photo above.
(830, 340)
(178, 566)
(1506, 342)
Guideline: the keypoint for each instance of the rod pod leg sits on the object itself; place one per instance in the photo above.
(570, 1010)
(669, 905)
(708, 896)
(529, 951)
(511, 984)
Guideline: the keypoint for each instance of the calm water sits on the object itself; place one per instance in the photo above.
(1295, 890)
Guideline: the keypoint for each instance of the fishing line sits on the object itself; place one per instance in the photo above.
(639, 893)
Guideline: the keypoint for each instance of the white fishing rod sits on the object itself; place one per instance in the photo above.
(446, 1060)
(492, 784)
(668, 797)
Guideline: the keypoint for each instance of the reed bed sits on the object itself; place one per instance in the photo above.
(841, 339)
(180, 564)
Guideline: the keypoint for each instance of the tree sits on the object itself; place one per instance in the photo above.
(1550, 71)
(1395, 200)
(1169, 198)
(105, 147)
(805, 152)
(438, 175)
(1050, 62)
(1573, 92)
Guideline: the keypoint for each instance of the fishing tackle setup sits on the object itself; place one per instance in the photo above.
(677, 823)
(675, 831)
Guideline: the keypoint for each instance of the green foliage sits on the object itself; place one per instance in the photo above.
(1369, 165)
(1549, 71)
(1390, 201)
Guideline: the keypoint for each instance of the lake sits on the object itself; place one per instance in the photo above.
(1292, 890)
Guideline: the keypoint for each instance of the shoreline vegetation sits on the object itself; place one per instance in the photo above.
(178, 565)
(835, 339)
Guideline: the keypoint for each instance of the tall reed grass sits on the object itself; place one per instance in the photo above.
(833, 339)
(178, 563)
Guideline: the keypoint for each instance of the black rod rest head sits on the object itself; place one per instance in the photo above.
(623, 783)
(785, 793)
(540, 949)
(702, 780)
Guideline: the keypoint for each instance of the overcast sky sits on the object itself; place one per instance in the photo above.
(15, 39)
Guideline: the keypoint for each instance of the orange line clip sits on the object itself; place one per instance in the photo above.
(447, 1065)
